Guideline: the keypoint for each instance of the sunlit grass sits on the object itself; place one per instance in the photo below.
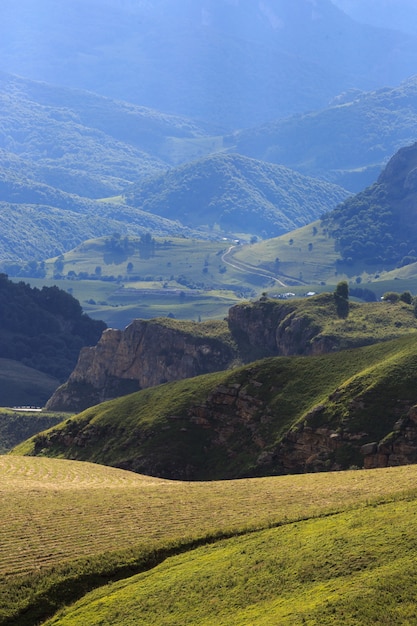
(351, 568)
(61, 520)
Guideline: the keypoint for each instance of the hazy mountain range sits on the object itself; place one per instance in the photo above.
(393, 14)
(236, 63)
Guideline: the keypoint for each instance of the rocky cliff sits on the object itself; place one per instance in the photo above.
(145, 354)
(281, 328)
(150, 352)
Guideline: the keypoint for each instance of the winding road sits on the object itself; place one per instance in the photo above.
(228, 259)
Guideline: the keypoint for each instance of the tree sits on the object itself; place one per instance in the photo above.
(391, 296)
(406, 297)
(341, 297)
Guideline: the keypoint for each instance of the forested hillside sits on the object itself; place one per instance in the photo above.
(347, 142)
(379, 224)
(237, 194)
(43, 328)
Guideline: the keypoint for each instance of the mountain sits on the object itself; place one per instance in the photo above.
(369, 238)
(151, 352)
(83, 143)
(237, 194)
(233, 63)
(40, 222)
(61, 149)
(347, 143)
(43, 329)
(274, 416)
(393, 14)
(379, 224)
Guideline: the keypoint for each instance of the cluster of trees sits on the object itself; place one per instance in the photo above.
(43, 328)
(118, 249)
(366, 228)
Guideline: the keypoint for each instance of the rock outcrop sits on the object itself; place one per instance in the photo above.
(271, 328)
(145, 354)
(150, 352)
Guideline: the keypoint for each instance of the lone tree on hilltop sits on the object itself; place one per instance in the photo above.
(341, 297)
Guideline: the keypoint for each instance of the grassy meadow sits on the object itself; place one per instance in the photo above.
(201, 279)
(284, 548)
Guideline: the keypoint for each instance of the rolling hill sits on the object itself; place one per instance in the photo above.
(237, 195)
(369, 238)
(75, 541)
(279, 415)
(84, 143)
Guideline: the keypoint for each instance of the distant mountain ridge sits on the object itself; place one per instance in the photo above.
(348, 142)
(282, 57)
(81, 142)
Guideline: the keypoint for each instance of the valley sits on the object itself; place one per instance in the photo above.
(208, 312)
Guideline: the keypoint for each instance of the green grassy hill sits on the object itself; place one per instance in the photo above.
(299, 547)
(370, 238)
(351, 568)
(257, 419)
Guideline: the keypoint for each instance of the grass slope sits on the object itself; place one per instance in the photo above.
(18, 425)
(308, 259)
(230, 424)
(352, 568)
(183, 277)
(69, 527)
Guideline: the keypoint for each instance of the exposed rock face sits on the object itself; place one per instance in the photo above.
(145, 354)
(398, 448)
(150, 352)
(275, 329)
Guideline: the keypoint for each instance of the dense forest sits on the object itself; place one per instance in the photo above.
(378, 225)
(43, 328)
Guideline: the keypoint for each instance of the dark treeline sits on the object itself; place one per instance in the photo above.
(43, 328)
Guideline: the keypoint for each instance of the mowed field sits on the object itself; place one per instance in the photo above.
(68, 527)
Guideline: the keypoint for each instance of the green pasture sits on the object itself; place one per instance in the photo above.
(68, 527)
(355, 567)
